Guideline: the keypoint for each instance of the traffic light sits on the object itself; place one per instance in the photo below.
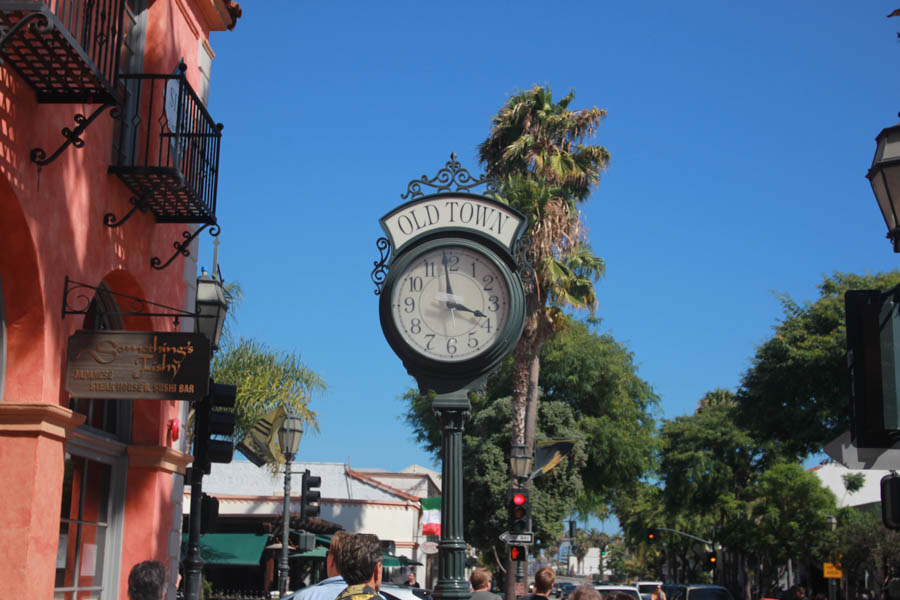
(890, 501)
(603, 550)
(518, 553)
(308, 495)
(652, 534)
(519, 511)
(209, 513)
(873, 329)
(711, 560)
(212, 424)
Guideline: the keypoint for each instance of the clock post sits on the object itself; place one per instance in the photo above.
(452, 307)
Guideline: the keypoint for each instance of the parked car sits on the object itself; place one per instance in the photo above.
(608, 590)
(646, 588)
(696, 591)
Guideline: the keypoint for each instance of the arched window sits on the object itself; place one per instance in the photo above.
(93, 495)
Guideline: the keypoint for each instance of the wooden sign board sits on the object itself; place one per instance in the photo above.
(133, 365)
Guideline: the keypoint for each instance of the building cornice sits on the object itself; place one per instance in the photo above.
(160, 458)
(383, 486)
(48, 420)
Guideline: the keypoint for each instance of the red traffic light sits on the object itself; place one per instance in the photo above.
(518, 553)
(519, 499)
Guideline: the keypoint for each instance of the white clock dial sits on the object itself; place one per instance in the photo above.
(451, 303)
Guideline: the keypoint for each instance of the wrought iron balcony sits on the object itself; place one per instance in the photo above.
(168, 150)
(67, 50)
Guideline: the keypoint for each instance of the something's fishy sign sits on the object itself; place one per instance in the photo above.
(138, 365)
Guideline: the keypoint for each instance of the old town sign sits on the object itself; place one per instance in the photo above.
(138, 365)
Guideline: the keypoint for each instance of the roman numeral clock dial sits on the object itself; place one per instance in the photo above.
(451, 303)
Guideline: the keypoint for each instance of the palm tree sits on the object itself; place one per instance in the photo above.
(537, 154)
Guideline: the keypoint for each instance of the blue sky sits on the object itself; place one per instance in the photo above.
(740, 135)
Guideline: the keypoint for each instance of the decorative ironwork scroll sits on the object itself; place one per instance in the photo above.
(109, 219)
(524, 259)
(77, 301)
(380, 271)
(452, 174)
(73, 137)
(183, 248)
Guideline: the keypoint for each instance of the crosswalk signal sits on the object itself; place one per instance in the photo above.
(518, 553)
(519, 511)
(212, 425)
(309, 497)
(711, 560)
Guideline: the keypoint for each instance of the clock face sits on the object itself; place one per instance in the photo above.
(451, 303)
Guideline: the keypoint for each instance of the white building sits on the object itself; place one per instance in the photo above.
(359, 500)
(831, 474)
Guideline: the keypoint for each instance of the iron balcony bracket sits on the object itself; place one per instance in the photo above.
(77, 302)
(73, 137)
(183, 248)
(109, 219)
(379, 273)
(37, 21)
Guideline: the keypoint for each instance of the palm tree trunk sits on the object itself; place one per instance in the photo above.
(534, 371)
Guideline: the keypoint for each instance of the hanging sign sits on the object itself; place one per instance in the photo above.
(138, 365)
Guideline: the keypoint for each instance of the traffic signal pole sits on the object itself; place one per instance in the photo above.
(193, 562)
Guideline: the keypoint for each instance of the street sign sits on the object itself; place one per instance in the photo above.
(517, 538)
(831, 571)
(429, 548)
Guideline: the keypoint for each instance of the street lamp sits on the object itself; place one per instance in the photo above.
(884, 175)
(210, 310)
(520, 461)
(832, 525)
(211, 307)
(288, 441)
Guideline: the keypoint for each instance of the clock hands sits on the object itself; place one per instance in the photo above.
(453, 305)
(449, 298)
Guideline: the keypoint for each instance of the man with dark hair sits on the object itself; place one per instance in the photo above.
(328, 589)
(147, 581)
(360, 566)
(543, 583)
(481, 585)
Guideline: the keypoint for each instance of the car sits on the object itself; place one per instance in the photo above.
(696, 591)
(608, 590)
(646, 588)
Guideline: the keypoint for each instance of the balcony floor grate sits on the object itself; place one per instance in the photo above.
(49, 58)
(164, 192)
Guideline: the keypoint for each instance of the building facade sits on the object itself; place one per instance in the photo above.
(107, 156)
(373, 501)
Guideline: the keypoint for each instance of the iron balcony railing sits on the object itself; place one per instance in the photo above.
(168, 148)
(67, 50)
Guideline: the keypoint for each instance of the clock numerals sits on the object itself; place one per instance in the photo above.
(473, 341)
(415, 284)
(429, 269)
(415, 326)
(493, 303)
(409, 305)
(486, 325)
(451, 346)
(430, 337)
(488, 283)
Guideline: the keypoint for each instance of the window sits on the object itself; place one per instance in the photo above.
(131, 60)
(93, 490)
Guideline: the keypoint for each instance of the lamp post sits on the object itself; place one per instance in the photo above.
(288, 441)
(832, 525)
(520, 466)
(210, 310)
(884, 175)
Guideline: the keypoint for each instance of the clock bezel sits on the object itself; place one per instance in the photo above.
(433, 373)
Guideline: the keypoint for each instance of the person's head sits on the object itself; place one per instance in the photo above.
(411, 577)
(147, 581)
(480, 579)
(800, 592)
(360, 559)
(334, 551)
(585, 591)
(543, 581)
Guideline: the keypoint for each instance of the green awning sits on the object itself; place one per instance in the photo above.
(229, 548)
(317, 552)
(389, 560)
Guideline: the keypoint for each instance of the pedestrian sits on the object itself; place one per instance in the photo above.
(411, 580)
(585, 591)
(543, 583)
(481, 585)
(360, 565)
(334, 584)
(658, 593)
(147, 581)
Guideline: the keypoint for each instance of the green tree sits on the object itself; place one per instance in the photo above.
(536, 151)
(797, 389)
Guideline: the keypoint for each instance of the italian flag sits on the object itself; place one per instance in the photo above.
(431, 516)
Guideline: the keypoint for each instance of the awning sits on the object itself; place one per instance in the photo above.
(389, 560)
(317, 552)
(229, 548)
